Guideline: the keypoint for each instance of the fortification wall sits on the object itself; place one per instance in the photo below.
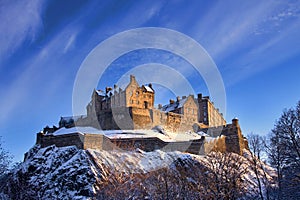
(158, 117)
(152, 144)
(173, 122)
(141, 118)
(93, 141)
(231, 139)
(101, 142)
(73, 139)
(218, 144)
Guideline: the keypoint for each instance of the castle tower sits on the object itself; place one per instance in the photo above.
(235, 141)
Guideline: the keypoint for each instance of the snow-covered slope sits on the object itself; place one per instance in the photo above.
(71, 173)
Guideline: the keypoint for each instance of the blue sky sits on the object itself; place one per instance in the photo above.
(255, 45)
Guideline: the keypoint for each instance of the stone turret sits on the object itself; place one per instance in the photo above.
(235, 141)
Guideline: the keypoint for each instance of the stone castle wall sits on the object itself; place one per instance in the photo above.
(138, 118)
(141, 118)
(230, 140)
(101, 142)
(73, 139)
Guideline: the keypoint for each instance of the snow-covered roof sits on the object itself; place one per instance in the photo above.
(148, 89)
(100, 92)
(74, 118)
(181, 102)
(203, 134)
(81, 130)
(121, 134)
(174, 106)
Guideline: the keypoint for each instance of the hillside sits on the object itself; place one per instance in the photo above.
(71, 173)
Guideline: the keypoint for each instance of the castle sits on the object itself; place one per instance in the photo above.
(133, 109)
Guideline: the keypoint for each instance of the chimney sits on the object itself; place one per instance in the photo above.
(159, 106)
(172, 101)
(107, 89)
(178, 98)
(235, 121)
(115, 89)
(150, 85)
(200, 96)
(132, 78)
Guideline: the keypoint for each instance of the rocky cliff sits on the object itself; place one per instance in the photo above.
(72, 173)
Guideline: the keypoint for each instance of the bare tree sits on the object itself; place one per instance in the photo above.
(223, 179)
(5, 159)
(284, 151)
(5, 162)
(257, 147)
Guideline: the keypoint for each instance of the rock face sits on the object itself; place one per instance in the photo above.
(52, 173)
(71, 173)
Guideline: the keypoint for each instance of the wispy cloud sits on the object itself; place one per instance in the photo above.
(224, 33)
(20, 21)
(32, 72)
(70, 42)
(244, 39)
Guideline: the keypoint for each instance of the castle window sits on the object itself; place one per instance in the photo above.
(145, 104)
(132, 101)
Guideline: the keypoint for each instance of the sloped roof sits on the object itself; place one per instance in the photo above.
(174, 106)
(100, 92)
(148, 89)
(74, 118)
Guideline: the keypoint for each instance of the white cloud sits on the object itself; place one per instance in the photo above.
(33, 71)
(20, 21)
(253, 36)
(69, 43)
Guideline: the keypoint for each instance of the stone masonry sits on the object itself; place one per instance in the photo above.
(133, 108)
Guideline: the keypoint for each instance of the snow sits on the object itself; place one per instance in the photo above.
(71, 173)
(75, 118)
(181, 102)
(169, 107)
(100, 92)
(65, 173)
(203, 134)
(113, 134)
(135, 161)
(173, 106)
(148, 89)
(81, 130)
